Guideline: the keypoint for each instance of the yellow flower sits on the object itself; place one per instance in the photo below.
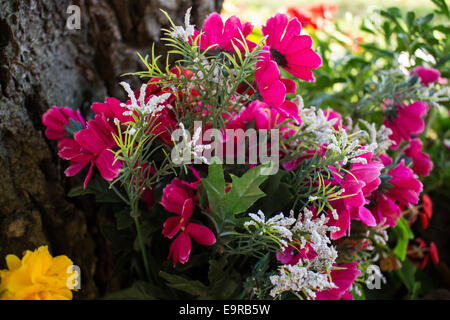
(38, 276)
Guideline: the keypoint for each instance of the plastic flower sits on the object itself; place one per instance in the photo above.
(38, 276)
(426, 75)
(92, 145)
(180, 248)
(221, 36)
(422, 163)
(358, 184)
(293, 253)
(175, 194)
(289, 49)
(111, 109)
(267, 76)
(405, 121)
(406, 187)
(386, 208)
(57, 120)
(343, 280)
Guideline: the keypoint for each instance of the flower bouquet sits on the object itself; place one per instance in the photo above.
(226, 183)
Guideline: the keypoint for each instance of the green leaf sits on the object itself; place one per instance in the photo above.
(425, 20)
(403, 233)
(192, 287)
(407, 274)
(97, 187)
(245, 190)
(275, 188)
(138, 291)
(223, 282)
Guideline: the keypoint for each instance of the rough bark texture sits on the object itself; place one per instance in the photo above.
(42, 63)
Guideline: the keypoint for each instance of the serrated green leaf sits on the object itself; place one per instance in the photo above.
(245, 190)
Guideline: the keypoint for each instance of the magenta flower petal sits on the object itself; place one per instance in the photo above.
(108, 168)
(89, 175)
(180, 249)
(213, 28)
(186, 211)
(201, 234)
(174, 196)
(74, 168)
(366, 216)
(274, 93)
(406, 186)
(426, 75)
(422, 163)
(171, 227)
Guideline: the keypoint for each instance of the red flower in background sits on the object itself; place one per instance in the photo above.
(315, 15)
(420, 253)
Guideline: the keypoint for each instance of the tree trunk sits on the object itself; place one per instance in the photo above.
(43, 63)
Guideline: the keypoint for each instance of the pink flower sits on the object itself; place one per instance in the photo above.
(358, 185)
(386, 208)
(92, 145)
(111, 109)
(406, 186)
(331, 114)
(175, 194)
(289, 49)
(422, 163)
(267, 76)
(57, 120)
(426, 75)
(221, 36)
(405, 121)
(343, 279)
(293, 253)
(180, 248)
(265, 117)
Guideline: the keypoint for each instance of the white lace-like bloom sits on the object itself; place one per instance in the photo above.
(297, 278)
(317, 123)
(379, 139)
(186, 31)
(306, 276)
(280, 223)
(153, 105)
(188, 148)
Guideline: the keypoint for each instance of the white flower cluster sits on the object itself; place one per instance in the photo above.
(153, 105)
(186, 31)
(350, 149)
(299, 279)
(319, 240)
(378, 139)
(188, 148)
(278, 223)
(306, 276)
(315, 122)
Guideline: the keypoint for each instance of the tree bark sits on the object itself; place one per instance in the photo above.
(43, 63)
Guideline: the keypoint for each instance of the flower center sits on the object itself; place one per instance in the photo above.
(279, 58)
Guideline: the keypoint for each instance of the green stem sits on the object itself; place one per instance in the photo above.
(142, 246)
